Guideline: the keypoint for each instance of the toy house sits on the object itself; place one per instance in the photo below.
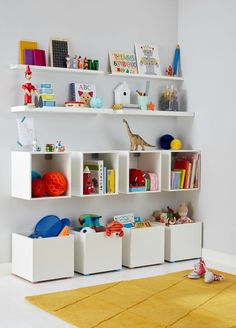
(122, 94)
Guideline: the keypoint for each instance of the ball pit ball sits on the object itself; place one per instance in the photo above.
(55, 183)
(38, 188)
(176, 144)
(165, 141)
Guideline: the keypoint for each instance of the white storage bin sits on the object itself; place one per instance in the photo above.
(43, 258)
(183, 241)
(143, 246)
(96, 252)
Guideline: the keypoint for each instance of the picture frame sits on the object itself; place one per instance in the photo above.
(148, 61)
(123, 62)
(58, 49)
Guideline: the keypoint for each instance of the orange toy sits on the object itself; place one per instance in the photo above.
(38, 188)
(64, 232)
(114, 227)
(55, 183)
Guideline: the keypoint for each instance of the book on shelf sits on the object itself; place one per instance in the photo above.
(184, 164)
(104, 179)
(182, 176)
(96, 170)
(196, 179)
(110, 180)
(193, 172)
(175, 179)
(82, 92)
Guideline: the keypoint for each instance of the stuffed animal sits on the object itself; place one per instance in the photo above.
(115, 227)
(183, 212)
(136, 177)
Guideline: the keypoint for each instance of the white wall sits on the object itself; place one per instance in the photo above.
(93, 27)
(207, 37)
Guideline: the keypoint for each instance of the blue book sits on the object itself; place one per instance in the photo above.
(177, 176)
(104, 179)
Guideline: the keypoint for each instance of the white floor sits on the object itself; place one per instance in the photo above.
(16, 312)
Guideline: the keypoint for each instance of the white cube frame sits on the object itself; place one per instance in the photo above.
(143, 246)
(111, 160)
(96, 252)
(183, 241)
(144, 160)
(43, 258)
(22, 164)
(167, 157)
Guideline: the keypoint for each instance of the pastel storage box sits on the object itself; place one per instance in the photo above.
(183, 241)
(42, 259)
(143, 246)
(96, 252)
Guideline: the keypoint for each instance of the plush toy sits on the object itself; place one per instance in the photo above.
(92, 221)
(136, 177)
(183, 212)
(55, 183)
(176, 144)
(116, 228)
(165, 141)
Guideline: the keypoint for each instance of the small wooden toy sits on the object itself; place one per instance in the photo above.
(85, 63)
(79, 62)
(117, 106)
(87, 182)
(74, 62)
(90, 64)
(150, 106)
(36, 146)
(169, 71)
(122, 94)
(116, 228)
(176, 60)
(59, 147)
(68, 61)
(136, 140)
(29, 88)
(49, 148)
(183, 212)
(96, 65)
(143, 224)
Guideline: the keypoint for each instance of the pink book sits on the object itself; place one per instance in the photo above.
(39, 57)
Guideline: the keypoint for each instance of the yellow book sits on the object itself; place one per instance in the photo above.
(110, 180)
(25, 45)
(48, 96)
(183, 172)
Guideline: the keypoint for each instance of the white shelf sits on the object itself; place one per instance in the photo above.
(146, 76)
(99, 111)
(57, 69)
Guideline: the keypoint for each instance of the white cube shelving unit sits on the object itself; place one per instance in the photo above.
(168, 157)
(22, 164)
(96, 252)
(110, 160)
(183, 241)
(149, 161)
(42, 259)
(143, 246)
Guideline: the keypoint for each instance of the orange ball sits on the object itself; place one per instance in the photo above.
(55, 183)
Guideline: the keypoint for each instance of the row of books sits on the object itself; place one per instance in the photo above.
(103, 177)
(185, 172)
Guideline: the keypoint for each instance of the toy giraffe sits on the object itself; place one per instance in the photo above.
(135, 139)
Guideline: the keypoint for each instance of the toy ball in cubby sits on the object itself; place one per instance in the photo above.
(165, 141)
(55, 183)
(176, 144)
(38, 188)
(35, 175)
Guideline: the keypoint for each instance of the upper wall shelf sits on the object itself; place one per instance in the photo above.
(99, 111)
(146, 76)
(57, 69)
(91, 72)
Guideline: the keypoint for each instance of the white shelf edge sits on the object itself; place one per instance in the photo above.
(141, 192)
(146, 76)
(98, 195)
(186, 189)
(99, 111)
(43, 198)
(56, 69)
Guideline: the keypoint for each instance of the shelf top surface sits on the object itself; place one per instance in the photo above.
(101, 111)
(148, 76)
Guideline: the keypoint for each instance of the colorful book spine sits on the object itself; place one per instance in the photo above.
(188, 176)
(182, 177)
(39, 57)
(96, 169)
(49, 103)
(177, 176)
(193, 173)
(110, 180)
(196, 181)
(29, 57)
(104, 179)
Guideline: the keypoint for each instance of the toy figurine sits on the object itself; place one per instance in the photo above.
(170, 71)
(135, 139)
(59, 147)
(115, 227)
(36, 146)
(29, 88)
(68, 61)
(74, 62)
(150, 106)
(79, 62)
(183, 212)
(85, 63)
(88, 182)
(50, 148)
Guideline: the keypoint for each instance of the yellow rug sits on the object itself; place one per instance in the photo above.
(163, 301)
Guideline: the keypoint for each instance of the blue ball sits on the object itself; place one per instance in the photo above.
(35, 175)
(165, 141)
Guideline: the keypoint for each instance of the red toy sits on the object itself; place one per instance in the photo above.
(114, 227)
(88, 182)
(170, 71)
(85, 63)
(38, 188)
(136, 177)
(28, 87)
(55, 183)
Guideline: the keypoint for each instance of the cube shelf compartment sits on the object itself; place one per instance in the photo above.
(43, 258)
(149, 161)
(110, 160)
(168, 159)
(22, 164)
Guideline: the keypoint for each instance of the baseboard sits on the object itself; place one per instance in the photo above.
(219, 257)
(5, 269)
